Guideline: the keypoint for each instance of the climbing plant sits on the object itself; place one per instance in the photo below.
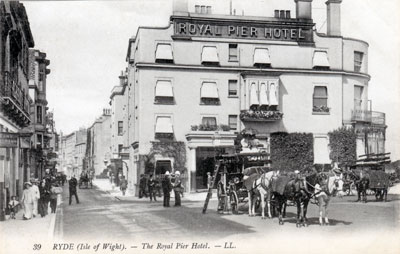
(343, 145)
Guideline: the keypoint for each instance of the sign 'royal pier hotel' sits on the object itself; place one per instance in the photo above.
(197, 83)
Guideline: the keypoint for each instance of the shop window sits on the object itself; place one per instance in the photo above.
(120, 128)
(232, 88)
(358, 60)
(233, 52)
(320, 99)
(232, 121)
(320, 60)
(209, 93)
(163, 92)
(261, 57)
(209, 55)
(164, 53)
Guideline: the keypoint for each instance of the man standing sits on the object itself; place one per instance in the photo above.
(167, 187)
(152, 185)
(177, 188)
(36, 196)
(72, 189)
(123, 185)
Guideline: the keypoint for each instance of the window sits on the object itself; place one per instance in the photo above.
(232, 88)
(164, 127)
(164, 53)
(120, 147)
(261, 57)
(320, 60)
(120, 128)
(263, 94)
(232, 121)
(39, 140)
(358, 94)
(209, 93)
(209, 123)
(163, 92)
(254, 94)
(39, 114)
(358, 59)
(209, 55)
(320, 99)
(233, 52)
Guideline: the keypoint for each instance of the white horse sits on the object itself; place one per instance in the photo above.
(261, 185)
(323, 191)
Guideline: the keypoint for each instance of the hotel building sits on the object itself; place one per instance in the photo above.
(195, 84)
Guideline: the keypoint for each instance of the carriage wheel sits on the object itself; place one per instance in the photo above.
(234, 200)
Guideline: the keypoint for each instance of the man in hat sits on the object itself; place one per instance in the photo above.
(72, 190)
(36, 195)
(167, 187)
(27, 201)
(177, 188)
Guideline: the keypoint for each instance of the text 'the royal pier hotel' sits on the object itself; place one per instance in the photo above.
(195, 84)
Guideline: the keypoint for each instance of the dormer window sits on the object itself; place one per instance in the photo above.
(164, 53)
(320, 60)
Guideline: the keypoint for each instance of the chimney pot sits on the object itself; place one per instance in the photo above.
(333, 17)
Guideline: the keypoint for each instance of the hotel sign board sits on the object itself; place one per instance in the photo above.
(8, 140)
(268, 30)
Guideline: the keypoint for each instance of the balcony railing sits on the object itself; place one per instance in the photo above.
(260, 115)
(368, 116)
(16, 98)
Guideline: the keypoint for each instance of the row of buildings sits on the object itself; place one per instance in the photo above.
(191, 87)
(28, 139)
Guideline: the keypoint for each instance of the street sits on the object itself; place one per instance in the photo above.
(102, 216)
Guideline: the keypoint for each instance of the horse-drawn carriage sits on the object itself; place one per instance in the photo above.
(228, 179)
(85, 180)
(368, 175)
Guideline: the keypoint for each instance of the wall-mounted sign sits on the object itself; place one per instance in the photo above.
(238, 29)
(8, 139)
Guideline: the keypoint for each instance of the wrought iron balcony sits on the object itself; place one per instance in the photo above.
(15, 100)
(367, 116)
(260, 115)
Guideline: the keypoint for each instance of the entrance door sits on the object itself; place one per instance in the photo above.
(205, 162)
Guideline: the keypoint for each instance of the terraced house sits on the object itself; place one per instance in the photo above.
(198, 82)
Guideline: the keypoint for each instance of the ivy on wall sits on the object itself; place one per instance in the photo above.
(343, 146)
(292, 151)
(174, 150)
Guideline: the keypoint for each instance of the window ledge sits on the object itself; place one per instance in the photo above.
(321, 113)
(233, 61)
(233, 96)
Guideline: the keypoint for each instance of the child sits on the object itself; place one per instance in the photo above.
(13, 206)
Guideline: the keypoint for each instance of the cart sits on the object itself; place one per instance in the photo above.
(228, 180)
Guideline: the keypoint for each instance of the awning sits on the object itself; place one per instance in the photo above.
(209, 54)
(209, 90)
(164, 89)
(273, 94)
(263, 94)
(261, 56)
(164, 125)
(164, 52)
(320, 59)
(253, 94)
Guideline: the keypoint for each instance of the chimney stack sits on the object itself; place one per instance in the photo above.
(303, 9)
(180, 7)
(333, 17)
(122, 79)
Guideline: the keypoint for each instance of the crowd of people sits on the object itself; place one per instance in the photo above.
(150, 187)
(37, 197)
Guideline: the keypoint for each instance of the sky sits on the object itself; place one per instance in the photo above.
(86, 43)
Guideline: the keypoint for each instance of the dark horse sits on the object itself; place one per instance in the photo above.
(361, 181)
(299, 191)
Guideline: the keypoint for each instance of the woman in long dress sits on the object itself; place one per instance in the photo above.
(27, 201)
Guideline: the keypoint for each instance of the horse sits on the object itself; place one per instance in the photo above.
(327, 185)
(361, 181)
(298, 190)
(261, 186)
